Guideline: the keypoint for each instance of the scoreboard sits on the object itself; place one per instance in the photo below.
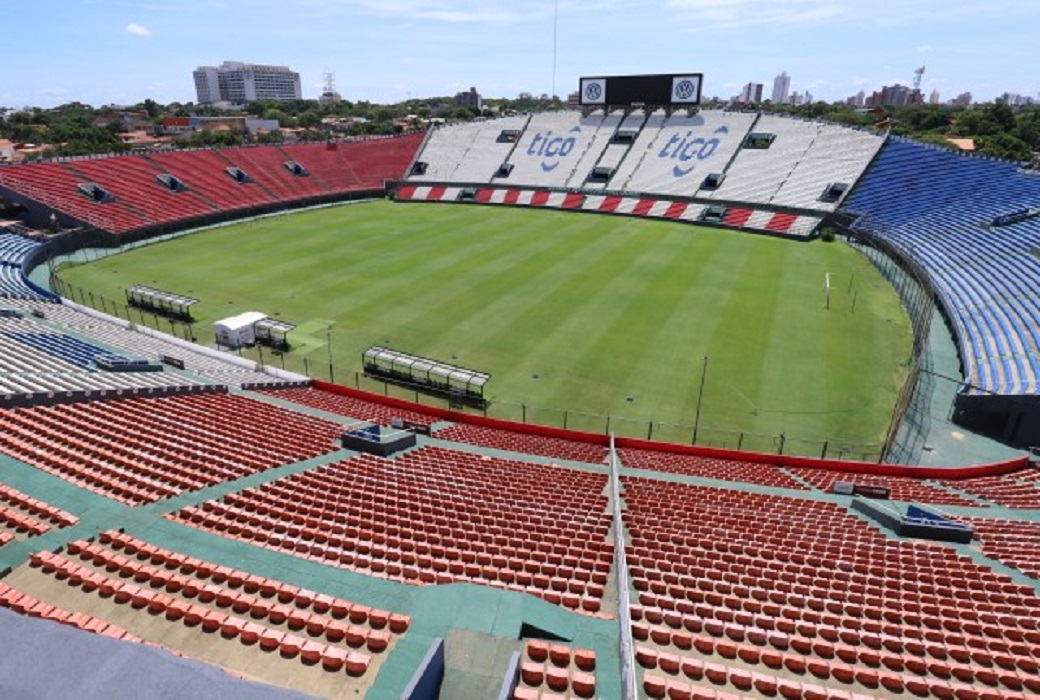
(661, 90)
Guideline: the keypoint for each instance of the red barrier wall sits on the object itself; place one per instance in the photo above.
(847, 467)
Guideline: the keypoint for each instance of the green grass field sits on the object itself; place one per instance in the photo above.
(591, 314)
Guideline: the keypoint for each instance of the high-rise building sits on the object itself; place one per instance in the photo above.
(933, 99)
(894, 96)
(471, 99)
(751, 94)
(781, 88)
(239, 83)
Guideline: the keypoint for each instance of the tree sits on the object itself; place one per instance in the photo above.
(1003, 145)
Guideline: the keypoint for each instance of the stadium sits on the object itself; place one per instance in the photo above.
(487, 451)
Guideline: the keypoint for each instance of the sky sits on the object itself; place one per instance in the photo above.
(120, 52)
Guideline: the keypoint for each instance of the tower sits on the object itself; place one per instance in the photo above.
(328, 94)
(781, 88)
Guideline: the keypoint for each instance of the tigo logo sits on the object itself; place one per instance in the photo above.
(549, 147)
(687, 149)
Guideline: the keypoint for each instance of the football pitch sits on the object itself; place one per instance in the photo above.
(590, 315)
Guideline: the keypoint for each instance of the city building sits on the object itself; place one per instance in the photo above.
(751, 94)
(963, 99)
(895, 96)
(239, 83)
(471, 99)
(781, 88)
(856, 100)
(933, 99)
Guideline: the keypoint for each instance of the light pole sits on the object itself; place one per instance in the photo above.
(700, 397)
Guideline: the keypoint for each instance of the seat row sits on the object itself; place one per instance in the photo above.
(709, 468)
(494, 438)
(557, 667)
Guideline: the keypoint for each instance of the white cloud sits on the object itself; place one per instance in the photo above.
(138, 29)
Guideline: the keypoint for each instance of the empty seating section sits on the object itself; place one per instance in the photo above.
(602, 127)
(444, 151)
(614, 153)
(550, 148)
(266, 165)
(205, 173)
(486, 151)
(117, 335)
(63, 347)
(1011, 542)
(644, 147)
(1016, 490)
(27, 604)
(837, 155)
(35, 359)
(786, 596)
(708, 468)
(139, 450)
(937, 206)
(435, 516)
(353, 166)
(121, 575)
(348, 406)
(675, 159)
(508, 440)
(903, 488)
(564, 671)
(140, 201)
(56, 186)
(757, 174)
(132, 179)
(21, 515)
(14, 250)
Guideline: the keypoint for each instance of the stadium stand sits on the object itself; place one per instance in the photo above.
(355, 166)
(757, 174)
(445, 150)
(21, 515)
(616, 150)
(741, 590)
(56, 186)
(550, 149)
(837, 155)
(675, 157)
(902, 488)
(603, 127)
(557, 667)
(139, 450)
(1014, 543)
(14, 251)
(1018, 490)
(708, 468)
(267, 166)
(205, 173)
(203, 367)
(512, 441)
(533, 528)
(136, 200)
(136, 582)
(347, 406)
(489, 149)
(937, 207)
(133, 180)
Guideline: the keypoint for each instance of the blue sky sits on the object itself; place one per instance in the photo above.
(121, 52)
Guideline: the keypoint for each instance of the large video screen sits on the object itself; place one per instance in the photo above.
(637, 90)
